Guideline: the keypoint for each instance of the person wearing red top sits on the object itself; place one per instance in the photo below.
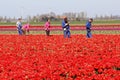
(47, 27)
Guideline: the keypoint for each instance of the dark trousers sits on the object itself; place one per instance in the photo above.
(47, 32)
(20, 31)
(66, 33)
(89, 35)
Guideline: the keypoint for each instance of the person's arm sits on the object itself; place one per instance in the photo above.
(88, 25)
(16, 24)
(64, 24)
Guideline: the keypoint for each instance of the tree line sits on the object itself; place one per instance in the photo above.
(55, 17)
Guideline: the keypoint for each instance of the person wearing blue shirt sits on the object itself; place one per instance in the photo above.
(88, 27)
(66, 28)
(19, 26)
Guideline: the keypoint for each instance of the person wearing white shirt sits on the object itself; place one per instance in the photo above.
(19, 26)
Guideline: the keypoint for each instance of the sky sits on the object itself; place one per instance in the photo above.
(17, 8)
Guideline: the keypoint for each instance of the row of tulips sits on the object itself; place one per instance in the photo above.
(60, 28)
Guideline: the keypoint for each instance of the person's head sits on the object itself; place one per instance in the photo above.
(48, 20)
(65, 19)
(19, 19)
(91, 20)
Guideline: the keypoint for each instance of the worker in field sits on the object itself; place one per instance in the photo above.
(47, 27)
(66, 28)
(88, 28)
(19, 26)
(25, 29)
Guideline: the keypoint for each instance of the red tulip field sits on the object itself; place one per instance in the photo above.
(38, 57)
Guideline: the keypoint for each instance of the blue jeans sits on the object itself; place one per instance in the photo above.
(89, 35)
(20, 31)
(67, 34)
